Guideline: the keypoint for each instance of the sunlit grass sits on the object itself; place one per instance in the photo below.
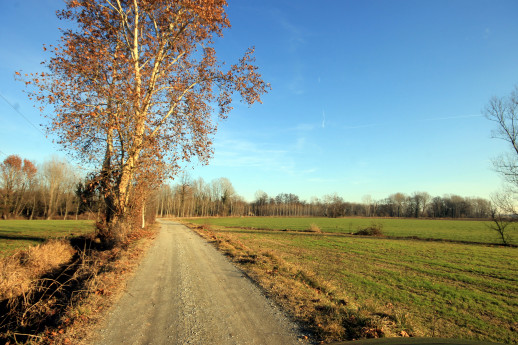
(19, 234)
(430, 288)
(455, 230)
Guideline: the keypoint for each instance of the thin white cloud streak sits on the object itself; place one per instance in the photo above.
(323, 119)
(242, 153)
(415, 121)
(364, 126)
(451, 117)
(234, 153)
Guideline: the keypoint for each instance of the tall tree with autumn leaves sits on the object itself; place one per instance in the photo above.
(135, 86)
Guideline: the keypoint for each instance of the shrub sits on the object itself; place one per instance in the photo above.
(314, 228)
(376, 229)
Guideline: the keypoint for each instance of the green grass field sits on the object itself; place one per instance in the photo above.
(19, 234)
(455, 230)
(442, 289)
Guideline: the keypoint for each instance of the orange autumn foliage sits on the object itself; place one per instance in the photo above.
(135, 86)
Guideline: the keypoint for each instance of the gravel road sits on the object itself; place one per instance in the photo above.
(185, 292)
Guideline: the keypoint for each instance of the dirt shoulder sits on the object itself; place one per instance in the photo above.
(185, 292)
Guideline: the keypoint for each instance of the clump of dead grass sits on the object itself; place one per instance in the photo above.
(314, 228)
(19, 271)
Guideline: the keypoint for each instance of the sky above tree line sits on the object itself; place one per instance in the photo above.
(368, 97)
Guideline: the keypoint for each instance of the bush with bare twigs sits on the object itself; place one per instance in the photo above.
(376, 229)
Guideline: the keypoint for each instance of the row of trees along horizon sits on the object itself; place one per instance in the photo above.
(54, 189)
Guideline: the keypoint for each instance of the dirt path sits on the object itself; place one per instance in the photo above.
(185, 292)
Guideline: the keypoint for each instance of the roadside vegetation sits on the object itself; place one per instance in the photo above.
(348, 287)
(56, 278)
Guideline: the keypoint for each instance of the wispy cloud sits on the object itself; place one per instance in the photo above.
(296, 85)
(443, 118)
(323, 119)
(242, 153)
(293, 38)
(451, 117)
(487, 33)
(303, 127)
(364, 126)
(293, 33)
(321, 180)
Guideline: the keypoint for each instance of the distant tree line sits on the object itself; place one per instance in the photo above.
(55, 190)
(33, 191)
(196, 198)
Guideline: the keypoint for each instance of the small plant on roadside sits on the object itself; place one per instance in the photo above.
(376, 229)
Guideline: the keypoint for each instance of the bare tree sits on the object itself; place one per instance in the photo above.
(55, 174)
(184, 190)
(503, 215)
(504, 112)
(398, 203)
(16, 177)
(367, 202)
(227, 194)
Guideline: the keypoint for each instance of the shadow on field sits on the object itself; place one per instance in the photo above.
(23, 238)
(244, 230)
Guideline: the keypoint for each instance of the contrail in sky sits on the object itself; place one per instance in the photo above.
(323, 119)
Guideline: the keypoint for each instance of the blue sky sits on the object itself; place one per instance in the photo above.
(368, 97)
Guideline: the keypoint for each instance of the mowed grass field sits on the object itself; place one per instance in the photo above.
(20, 234)
(455, 230)
(425, 288)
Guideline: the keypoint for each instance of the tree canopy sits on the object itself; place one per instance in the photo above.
(136, 84)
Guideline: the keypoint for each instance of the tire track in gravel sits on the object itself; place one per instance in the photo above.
(186, 292)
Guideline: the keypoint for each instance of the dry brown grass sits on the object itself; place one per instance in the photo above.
(61, 303)
(315, 228)
(19, 271)
(312, 301)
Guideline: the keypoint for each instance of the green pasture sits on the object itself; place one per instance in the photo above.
(441, 289)
(19, 234)
(454, 230)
